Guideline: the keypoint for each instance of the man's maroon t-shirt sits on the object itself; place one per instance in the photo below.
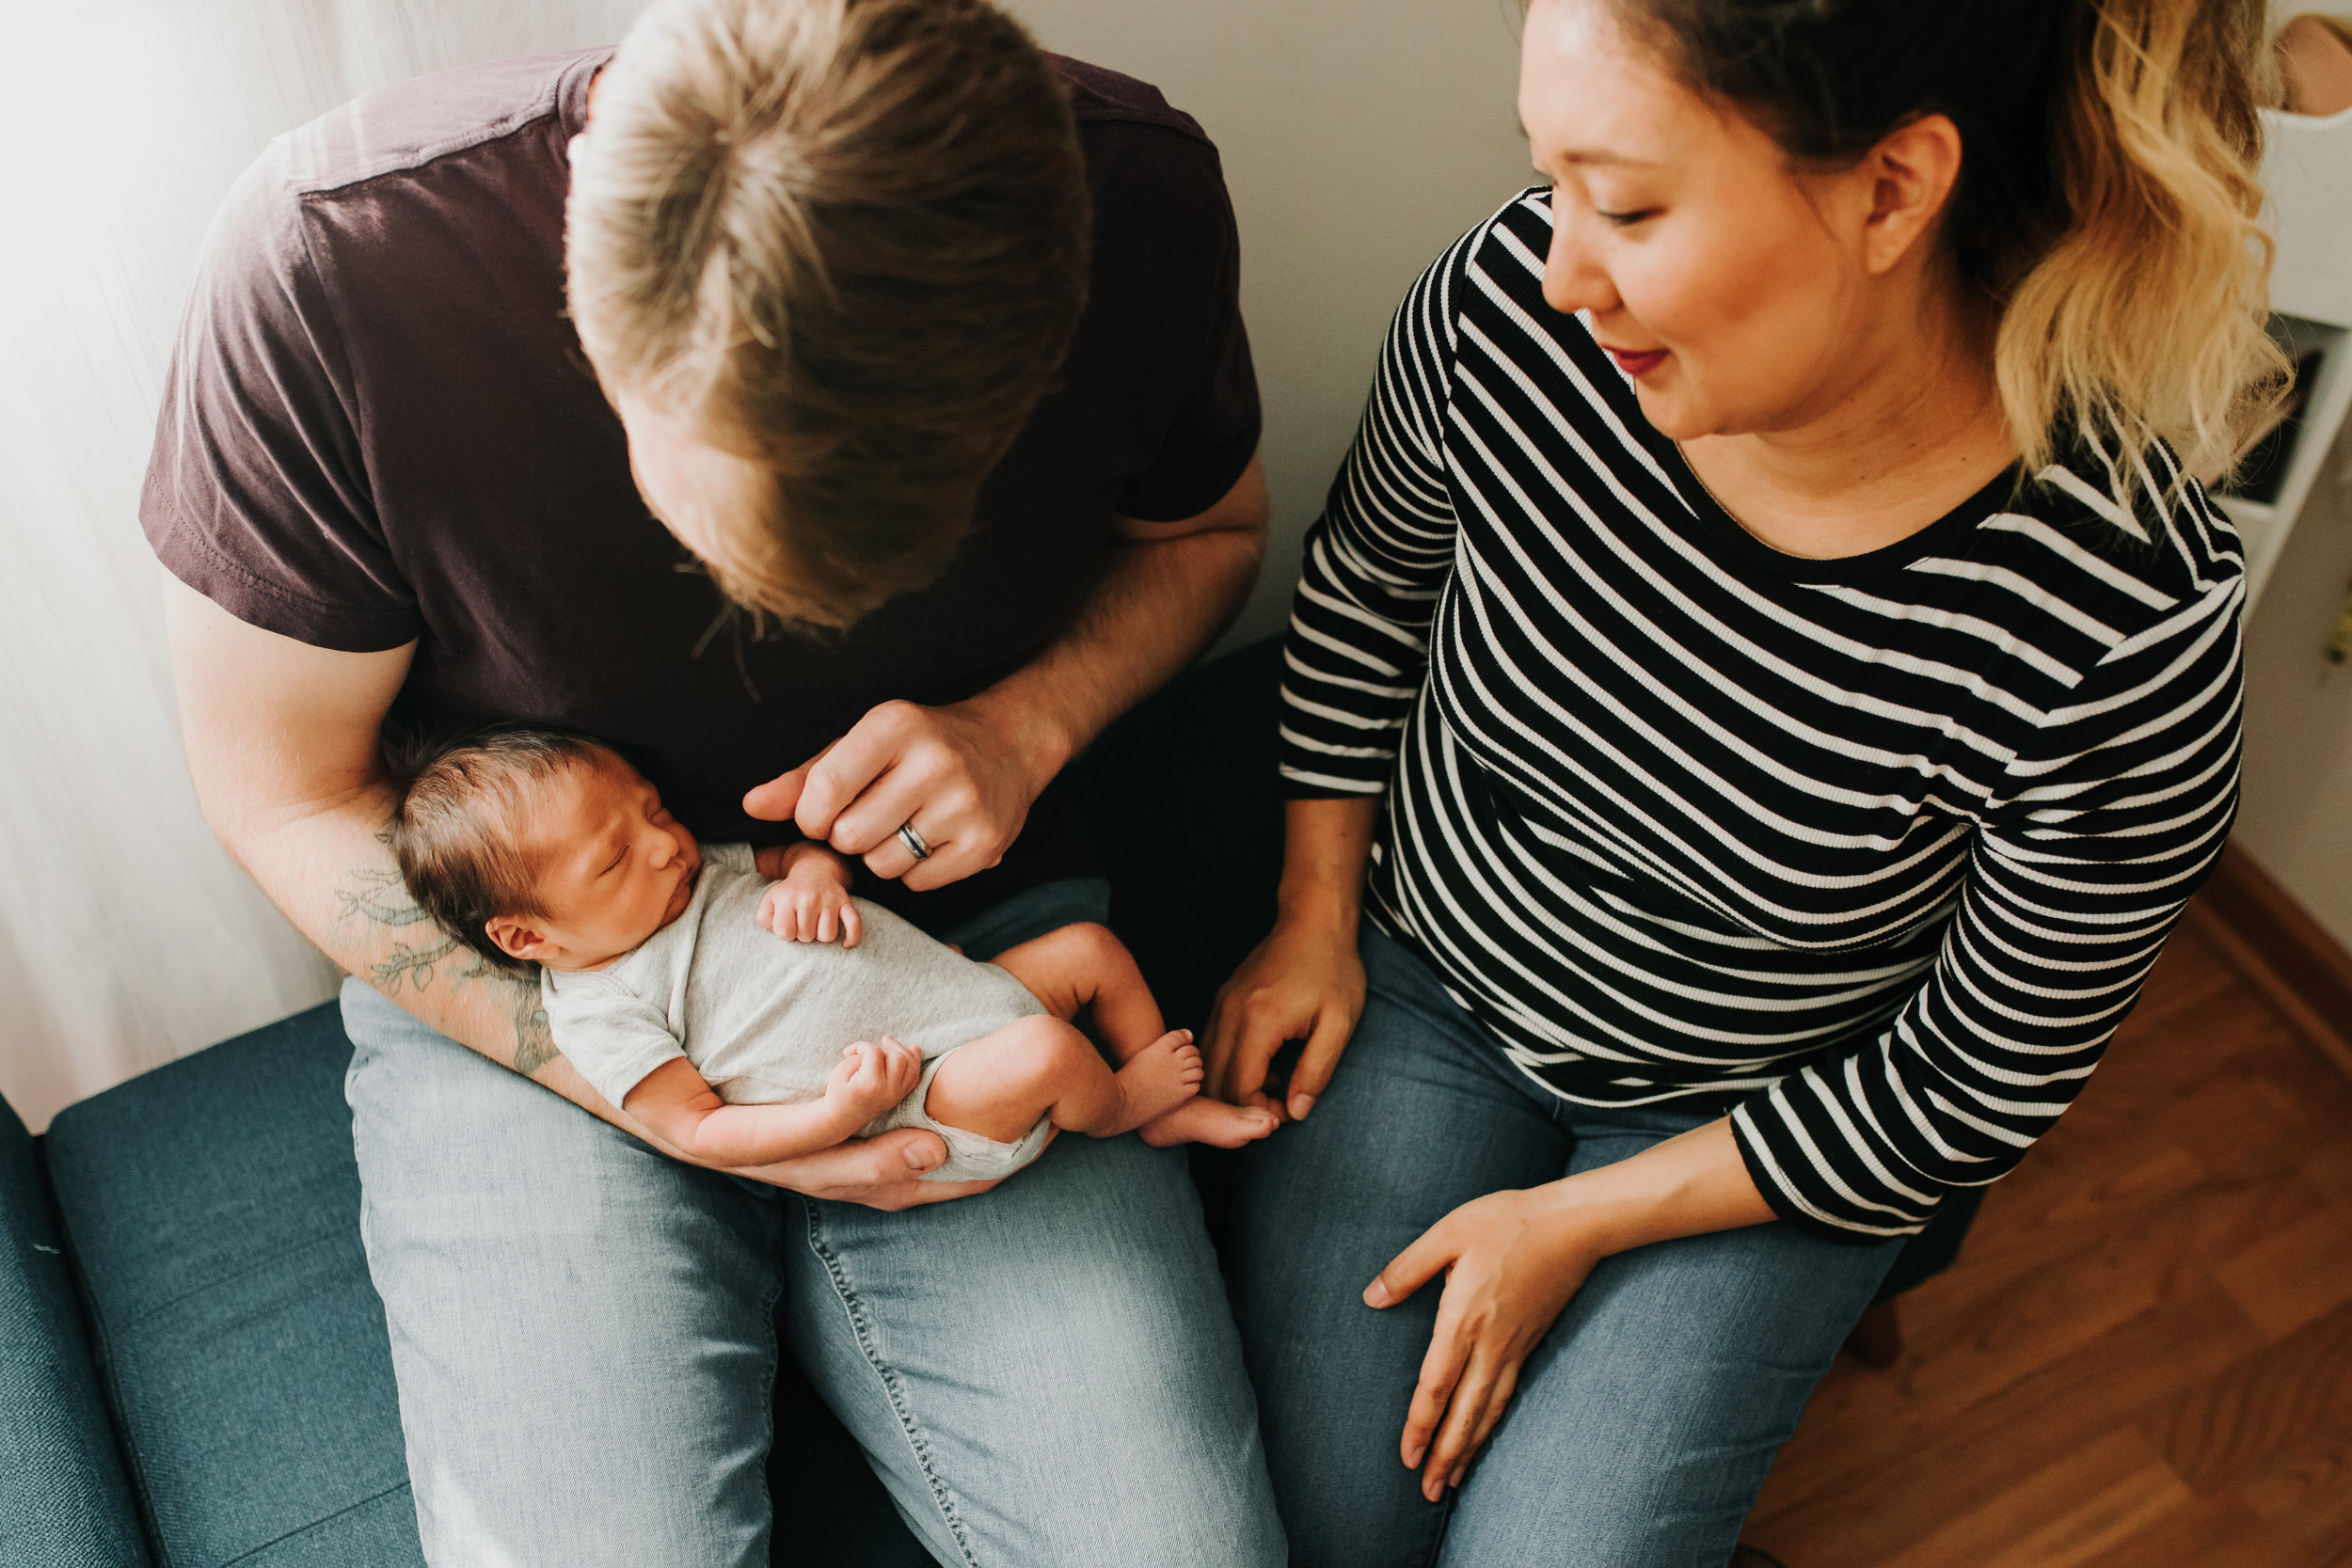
(379, 427)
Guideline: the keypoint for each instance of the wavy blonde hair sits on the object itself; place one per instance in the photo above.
(2109, 203)
(2148, 315)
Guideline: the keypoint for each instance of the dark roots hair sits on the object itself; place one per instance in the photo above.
(2107, 204)
(460, 804)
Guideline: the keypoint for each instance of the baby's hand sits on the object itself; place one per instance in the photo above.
(873, 1078)
(810, 908)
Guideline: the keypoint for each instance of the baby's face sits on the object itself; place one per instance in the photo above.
(614, 867)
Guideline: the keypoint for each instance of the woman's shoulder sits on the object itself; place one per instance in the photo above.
(2146, 532)
(1484, 296)
(1500, 258)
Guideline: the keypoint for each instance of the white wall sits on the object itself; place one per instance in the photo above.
(126, 937)
(2297, 818)
(1360, 137)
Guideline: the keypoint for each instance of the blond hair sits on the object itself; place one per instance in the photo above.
(847, 240)
(2147, 317)
(2107, 205)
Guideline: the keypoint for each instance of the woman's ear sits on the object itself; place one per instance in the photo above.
(518, 938)
(1912, 173)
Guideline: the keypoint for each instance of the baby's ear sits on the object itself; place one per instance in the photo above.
(516, 938)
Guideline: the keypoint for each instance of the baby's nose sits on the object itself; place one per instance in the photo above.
(663, 851)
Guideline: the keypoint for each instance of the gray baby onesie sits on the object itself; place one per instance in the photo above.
(764, 1020)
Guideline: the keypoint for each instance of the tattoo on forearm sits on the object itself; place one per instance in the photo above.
(374, 896)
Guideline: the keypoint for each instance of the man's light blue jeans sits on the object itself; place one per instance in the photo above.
(1643, 1424)
(585, 1333)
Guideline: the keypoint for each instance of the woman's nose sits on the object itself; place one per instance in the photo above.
(1573, 280)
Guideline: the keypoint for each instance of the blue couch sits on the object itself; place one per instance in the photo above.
(197, 1371)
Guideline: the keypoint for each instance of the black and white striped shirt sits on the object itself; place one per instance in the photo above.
(1879, 848)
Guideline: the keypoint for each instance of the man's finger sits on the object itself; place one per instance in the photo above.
(859, 1169)
(901, 791)
(776, 800)
(1312, 1074)
(841, 774)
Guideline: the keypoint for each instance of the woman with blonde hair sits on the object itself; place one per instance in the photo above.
(1763, 687)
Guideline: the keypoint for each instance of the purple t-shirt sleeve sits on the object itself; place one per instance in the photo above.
(1214, 428)
(257, 494)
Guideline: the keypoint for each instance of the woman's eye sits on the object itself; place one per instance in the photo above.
(1624, 220)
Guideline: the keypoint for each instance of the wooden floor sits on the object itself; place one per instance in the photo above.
(2143, 1358)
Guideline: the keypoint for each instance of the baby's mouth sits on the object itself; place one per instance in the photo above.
(684, 892)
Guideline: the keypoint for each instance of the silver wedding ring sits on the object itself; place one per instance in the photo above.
(913, 841)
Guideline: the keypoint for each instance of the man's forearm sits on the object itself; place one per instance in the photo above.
(331, 872)
(1158, 608)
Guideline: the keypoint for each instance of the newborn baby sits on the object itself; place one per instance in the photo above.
(746, 1008)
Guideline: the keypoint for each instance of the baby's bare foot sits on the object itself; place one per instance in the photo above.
(1202, 1120)
(1157, 1079)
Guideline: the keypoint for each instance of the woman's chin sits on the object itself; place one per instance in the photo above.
(1670, 414)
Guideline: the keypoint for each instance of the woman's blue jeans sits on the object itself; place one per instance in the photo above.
(1643, 1423)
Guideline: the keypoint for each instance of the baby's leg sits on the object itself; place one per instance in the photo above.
(999, 1085)
(1082, 966)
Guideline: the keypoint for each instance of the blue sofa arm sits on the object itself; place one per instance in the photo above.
(211, 1210)
(208, 1216)
(64, 1500)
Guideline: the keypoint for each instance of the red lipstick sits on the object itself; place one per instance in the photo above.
(1637, 363)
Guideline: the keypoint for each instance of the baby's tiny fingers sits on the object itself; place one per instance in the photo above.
(851, 927)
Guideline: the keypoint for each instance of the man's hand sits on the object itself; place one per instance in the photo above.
(966, 775)
(881, 1173)
(811, 903)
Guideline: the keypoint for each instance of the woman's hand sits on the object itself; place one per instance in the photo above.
(1511, 1260)
(1303, 982)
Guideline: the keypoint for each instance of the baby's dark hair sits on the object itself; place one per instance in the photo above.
(460, 805)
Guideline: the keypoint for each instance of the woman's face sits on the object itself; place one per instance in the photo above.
(1733, 290)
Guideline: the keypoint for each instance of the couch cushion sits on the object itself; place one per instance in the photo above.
(213, 1208)
(64, 1501)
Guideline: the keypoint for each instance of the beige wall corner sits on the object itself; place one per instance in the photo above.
(1360, 137)
(2297, 818)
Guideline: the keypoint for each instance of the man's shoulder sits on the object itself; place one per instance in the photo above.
(410, 126)
(1102, 97)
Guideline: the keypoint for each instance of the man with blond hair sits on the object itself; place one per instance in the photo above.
(925, 348)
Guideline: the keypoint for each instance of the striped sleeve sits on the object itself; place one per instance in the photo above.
(1376, 563)
(2110, 820)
